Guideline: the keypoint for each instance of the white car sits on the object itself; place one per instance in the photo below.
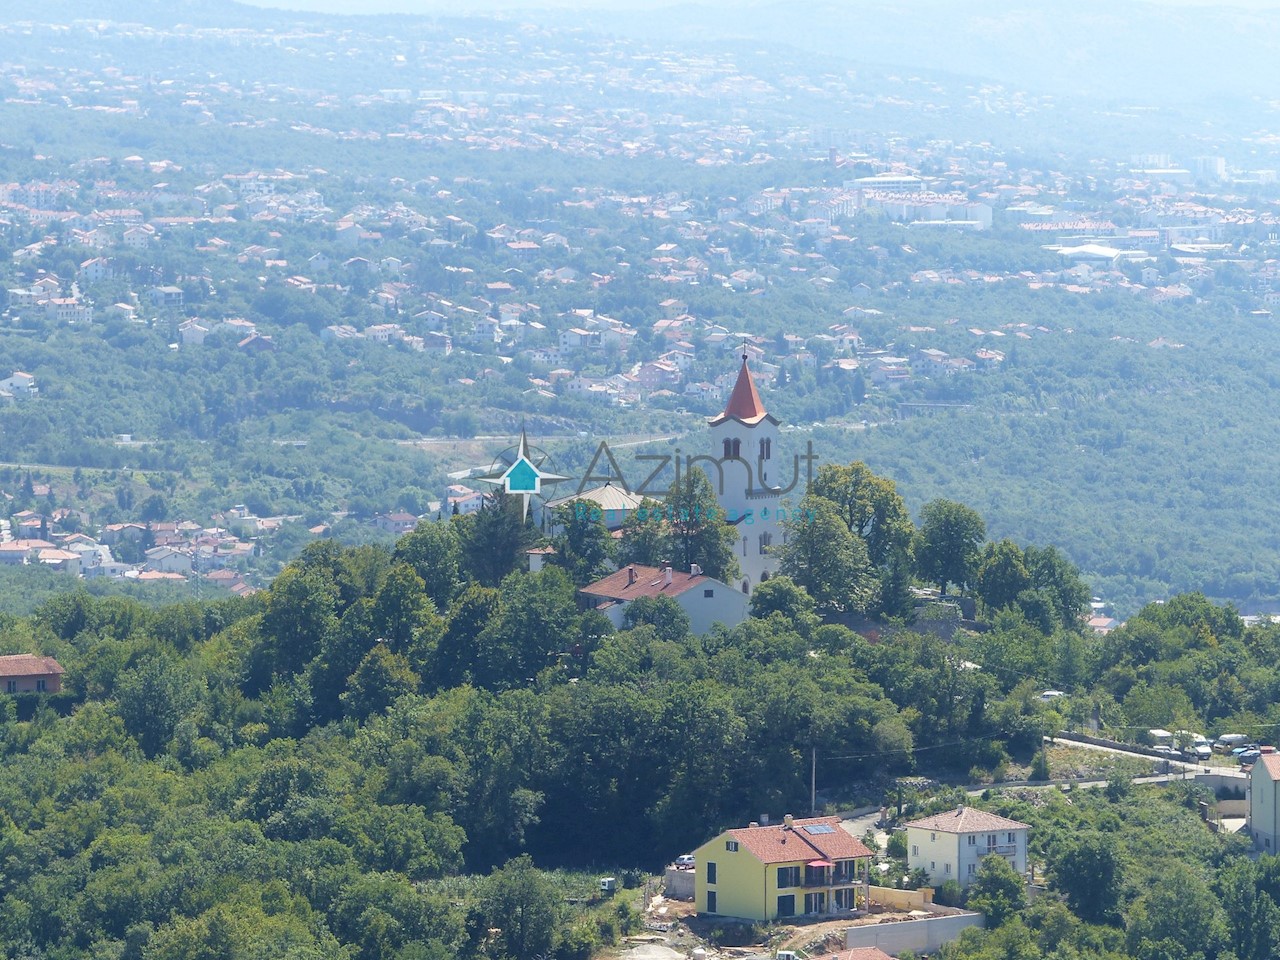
(684, 860)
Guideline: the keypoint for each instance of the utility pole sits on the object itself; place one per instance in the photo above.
(813, 783)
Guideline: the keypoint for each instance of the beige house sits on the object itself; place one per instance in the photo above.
(951, 845)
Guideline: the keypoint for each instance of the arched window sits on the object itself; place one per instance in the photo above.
(737, 448)
(746, 586)
(766, 448)
(728, 446)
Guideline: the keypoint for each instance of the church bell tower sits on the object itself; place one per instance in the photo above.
(744, 442)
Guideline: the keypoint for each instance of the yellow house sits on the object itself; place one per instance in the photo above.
(807, 867)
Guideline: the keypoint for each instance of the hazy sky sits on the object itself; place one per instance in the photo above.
(482, 6)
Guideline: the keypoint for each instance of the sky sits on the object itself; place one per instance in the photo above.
(485, 6)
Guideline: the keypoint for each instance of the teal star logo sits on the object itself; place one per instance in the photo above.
(523, 476)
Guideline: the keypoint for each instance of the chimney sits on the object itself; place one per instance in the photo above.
(786, 822)
(695, 570)
(666, 575)
(631, 576)
(764, 819)
(753, 824)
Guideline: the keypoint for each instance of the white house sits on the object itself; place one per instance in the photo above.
(704, 600)
(1264, 808)
(951, 845)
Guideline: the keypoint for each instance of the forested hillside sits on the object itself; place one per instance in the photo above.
(327, 768)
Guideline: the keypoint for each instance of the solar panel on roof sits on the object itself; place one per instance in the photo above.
(814, 829)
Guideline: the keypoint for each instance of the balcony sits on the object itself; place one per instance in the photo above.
(1003, 849)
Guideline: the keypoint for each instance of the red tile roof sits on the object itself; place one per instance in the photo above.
(744, 402)
(857, 953)
(966, 820)
(1271, 763)
(27, 665)
(647, 582)
(776, 843)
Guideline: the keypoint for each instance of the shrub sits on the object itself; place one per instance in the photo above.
(897, 846)
(950, 894)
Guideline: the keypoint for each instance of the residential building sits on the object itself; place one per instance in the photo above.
(704, 600)
(765, 872)
(1264, 803)
(398, 523)
(27, 673)
(169, 296)
(951, 845)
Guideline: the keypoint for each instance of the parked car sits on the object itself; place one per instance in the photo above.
(1249, 756)
(685, 860)
(1201, 751)
(1245, 748)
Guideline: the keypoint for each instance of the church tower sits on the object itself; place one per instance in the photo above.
(744, 442)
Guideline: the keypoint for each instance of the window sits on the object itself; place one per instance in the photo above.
(711, 901)
(766, 449)
(708, 594)
(946, 868)
(933, 865)
(731, 846)
(972, 869)
(933, 837)
(11, 686)
(788, 877)
(815, 903)
(915, 850)
(787, 905)
(766, 541)
(711, 873)
(1009, 837)
(973, 841)
(40, 685)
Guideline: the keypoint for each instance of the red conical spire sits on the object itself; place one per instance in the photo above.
(744, 402)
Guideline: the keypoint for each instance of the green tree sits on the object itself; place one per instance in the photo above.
(1002, 575)
(997, 892)
(435, 553)
(1089, 872)
(1178, 917)
(151, 699)
(646, 537)
(699, 533)
(870, 507)
(494, 539)
(456, 656)
(668, 620)
(783, 595)
(947, 550)
(381, 679)
(584, 548)
(520, 902)
(829, 562)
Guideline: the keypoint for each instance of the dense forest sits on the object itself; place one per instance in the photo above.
(398, 752)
